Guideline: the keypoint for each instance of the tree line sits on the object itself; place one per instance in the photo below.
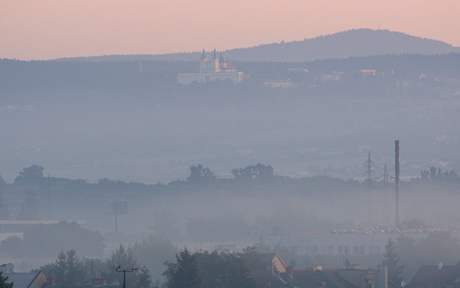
(250, 268)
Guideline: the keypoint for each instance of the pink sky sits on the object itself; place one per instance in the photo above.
(37, 29)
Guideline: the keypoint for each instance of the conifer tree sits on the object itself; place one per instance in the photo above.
(395, 269)
(183, 273)
(4, 282)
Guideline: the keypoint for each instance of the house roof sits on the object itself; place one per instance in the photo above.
(329, 278)
(436, 276)
(27, 280)
(20, 280)
(279, 265)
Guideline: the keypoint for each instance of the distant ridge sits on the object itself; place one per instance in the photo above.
(351, 43)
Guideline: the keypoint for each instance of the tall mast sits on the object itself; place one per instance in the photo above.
(397, 171)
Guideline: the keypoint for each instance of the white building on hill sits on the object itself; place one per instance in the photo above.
(213, 67)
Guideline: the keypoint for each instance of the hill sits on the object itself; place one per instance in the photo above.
(351, 43)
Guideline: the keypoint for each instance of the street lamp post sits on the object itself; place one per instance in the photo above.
(124, 271)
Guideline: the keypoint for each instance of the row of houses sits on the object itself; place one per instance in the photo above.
(429, 276)
(283, 276)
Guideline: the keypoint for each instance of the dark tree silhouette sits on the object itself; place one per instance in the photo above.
(183, 273)
(223, 270)
(437, 174)
(123, 258)
(4, 282)
(73, 272)
(201, 175)
(30, 175)
(258, 171)
(143, 278)
(68, 270)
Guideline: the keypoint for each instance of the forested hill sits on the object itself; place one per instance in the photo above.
(20, 79)
(351, 43)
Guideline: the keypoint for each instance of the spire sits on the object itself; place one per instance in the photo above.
(203, 54)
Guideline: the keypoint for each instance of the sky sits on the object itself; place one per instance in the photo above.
(43, 29)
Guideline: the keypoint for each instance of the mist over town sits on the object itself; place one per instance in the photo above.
(326, 162)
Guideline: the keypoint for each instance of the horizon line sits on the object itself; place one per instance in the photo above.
(170, 53)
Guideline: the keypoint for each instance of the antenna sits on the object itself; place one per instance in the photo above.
(397, 183)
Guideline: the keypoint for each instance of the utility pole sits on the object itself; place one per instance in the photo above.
(397, 183)
(369, 166)
(116, 223)
(124, 271)
(4, 212)
(385, 175)
(48, 195)
(118, 208)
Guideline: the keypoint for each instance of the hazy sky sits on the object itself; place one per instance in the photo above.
(31, 29)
